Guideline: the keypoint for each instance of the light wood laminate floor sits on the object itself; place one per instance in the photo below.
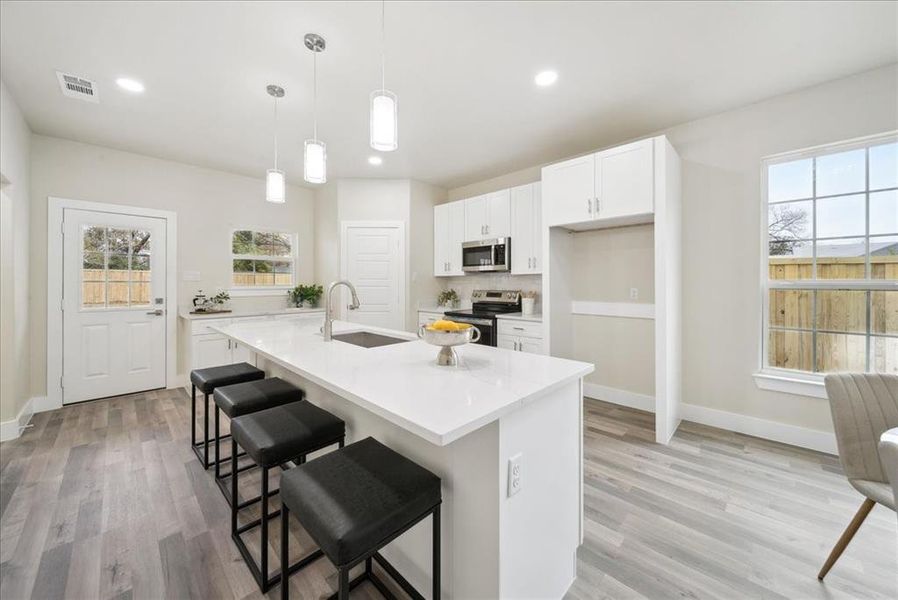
(105, 500)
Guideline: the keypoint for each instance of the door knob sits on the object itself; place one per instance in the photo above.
(158, 312)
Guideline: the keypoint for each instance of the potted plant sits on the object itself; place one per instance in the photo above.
(303, 295)
(448, 298)
(220, 300)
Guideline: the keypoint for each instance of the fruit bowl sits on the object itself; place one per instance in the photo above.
(447, 356)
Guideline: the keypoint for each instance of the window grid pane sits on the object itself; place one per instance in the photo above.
(833, 217)
(262, 259)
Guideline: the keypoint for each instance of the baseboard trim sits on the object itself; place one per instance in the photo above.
(619, 396)
(812, 439)
(10, 430)
(44, 403)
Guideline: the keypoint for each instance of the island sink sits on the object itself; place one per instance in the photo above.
(367, 339)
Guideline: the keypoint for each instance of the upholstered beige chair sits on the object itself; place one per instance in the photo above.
(888, 456)
(864, 405)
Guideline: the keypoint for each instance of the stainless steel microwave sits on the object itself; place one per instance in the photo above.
(486, 255)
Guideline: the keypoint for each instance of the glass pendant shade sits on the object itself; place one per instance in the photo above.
(315, 162)
(384, 121)
(275, 186)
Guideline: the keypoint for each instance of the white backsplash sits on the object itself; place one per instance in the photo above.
(466, 284)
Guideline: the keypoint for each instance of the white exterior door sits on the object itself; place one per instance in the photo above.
(113, 304)
(374, 264)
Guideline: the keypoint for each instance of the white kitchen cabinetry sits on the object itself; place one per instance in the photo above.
(488, 216)
(448, 235)
(526, 230)
(520, 336)
(208, 348)
(613, 187)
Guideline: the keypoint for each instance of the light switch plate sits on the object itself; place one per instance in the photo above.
(190, 275)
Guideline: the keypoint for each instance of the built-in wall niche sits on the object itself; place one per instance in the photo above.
(611, 285)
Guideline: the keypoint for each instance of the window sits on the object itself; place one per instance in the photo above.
(831, 294)
(262, 259)
(115, 267)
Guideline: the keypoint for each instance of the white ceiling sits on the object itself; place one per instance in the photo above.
(463, 72)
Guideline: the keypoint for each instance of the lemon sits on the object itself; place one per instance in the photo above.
(444, 325)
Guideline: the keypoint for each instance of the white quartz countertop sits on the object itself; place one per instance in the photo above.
(521, 317)
(184, 314)
(402, 382)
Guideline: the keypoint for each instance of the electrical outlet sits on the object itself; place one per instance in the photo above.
(514, 475)
(634, 293)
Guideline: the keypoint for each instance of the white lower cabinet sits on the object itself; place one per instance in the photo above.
(521, 336)
(209, 348)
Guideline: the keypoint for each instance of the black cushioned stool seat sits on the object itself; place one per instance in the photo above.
(207, 380)
(243, 399)
(272, 437)
(276, 435)
(356, 500)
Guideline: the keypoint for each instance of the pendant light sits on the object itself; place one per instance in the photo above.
(275, 184)
(384, 122)
(315, 152)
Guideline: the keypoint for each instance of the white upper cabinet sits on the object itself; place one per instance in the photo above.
(448, 235)
(475, 218)
(569, 190)
(526, 230)
(615, 184)
(488, 216)
(625, 181)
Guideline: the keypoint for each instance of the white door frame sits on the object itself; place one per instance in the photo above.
(55, 208)
(344, 264)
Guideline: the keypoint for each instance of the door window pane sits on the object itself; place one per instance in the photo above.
(140, 242)
(884, 166)
(93, 294)
(119, 241)
(884, 212)
(842, 310)
(790, 180)
(94, 261)
(94, 239)
(841, 173)
(841, 352)
(884, 257)
(842, 259)
(140, 293)
(841, 216)
(117, 294)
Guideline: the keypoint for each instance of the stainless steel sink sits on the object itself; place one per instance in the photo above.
(366, 339)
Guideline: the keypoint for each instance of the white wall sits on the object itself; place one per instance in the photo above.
(15, 331)
(721, 158)
(410, 202)
(209, 204)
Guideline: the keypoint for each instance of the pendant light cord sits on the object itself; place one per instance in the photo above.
(275, 133)
(315, 95)
(383, 45)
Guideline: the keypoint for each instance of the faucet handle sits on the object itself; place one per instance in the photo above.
(352, 306)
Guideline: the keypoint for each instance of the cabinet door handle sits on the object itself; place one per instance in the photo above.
(515, 345)
(229, 344)
(534, 262)
(589, 205)
(598, 206)
(529, 262)
(518, 328)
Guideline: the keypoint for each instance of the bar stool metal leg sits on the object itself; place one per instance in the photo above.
(436, 553)
(285, 551)
(343, 586)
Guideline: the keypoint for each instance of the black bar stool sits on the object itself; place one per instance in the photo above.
(207, 380)
(243, 399)
(272, 437)
(355, 501)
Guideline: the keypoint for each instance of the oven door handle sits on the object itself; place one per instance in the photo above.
(471, 321)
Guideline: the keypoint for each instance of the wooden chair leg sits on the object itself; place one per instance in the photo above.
(849, 532)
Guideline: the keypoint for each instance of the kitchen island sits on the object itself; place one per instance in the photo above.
(467, 424)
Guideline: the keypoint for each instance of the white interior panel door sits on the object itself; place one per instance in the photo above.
(373, 264)
(113, 304)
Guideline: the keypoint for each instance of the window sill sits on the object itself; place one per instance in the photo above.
(791, 383)
(267, 291)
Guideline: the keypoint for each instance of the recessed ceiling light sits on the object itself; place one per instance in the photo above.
(129, 85)
(375, 160)
(545, 78)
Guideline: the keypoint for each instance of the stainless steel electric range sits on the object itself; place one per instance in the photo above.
(487, 305)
